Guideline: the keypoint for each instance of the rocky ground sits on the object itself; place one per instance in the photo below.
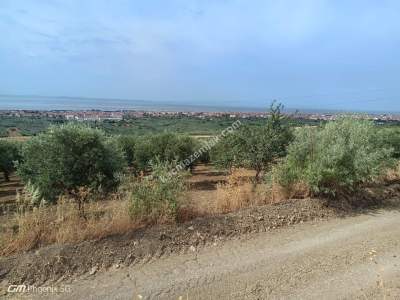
(53, 263)
(346, 258)
(64, 264)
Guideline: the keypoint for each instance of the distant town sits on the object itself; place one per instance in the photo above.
(102, 115)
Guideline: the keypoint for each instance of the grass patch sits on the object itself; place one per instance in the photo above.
(63, 223)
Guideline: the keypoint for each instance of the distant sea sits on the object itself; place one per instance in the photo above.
(13, 102)
(10, 102)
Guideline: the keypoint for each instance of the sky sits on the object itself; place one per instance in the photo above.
(306, 53)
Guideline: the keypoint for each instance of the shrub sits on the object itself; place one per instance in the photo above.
(166, 147)
(335, 159)
(144, 152)
(156, 197)
(69, 157)
(127, 144)
(391, 138)
(223, 154)
(9, 155)
(255, 147)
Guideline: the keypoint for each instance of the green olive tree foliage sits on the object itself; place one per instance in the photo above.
(166, 147)
(70, 157)
(9, 156)
(158, 195)
(335, 159)
(255, 147)
(391, 138)
(127, 144)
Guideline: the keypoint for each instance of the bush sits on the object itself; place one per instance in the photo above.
(127, 144)
(335, 159)
(155, 197)
(255, 147)
(9, 155)
(167, 147)
(391, 138)
(69, 157)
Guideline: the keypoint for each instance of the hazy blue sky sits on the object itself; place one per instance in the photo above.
(321, 54)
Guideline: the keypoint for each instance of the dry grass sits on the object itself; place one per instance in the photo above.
(238, 192)
(63, 223)
(391, 175)
(277, 193)
(17, 138)
(73, 220)
(32, 227)
(231, 198)
(101, 219)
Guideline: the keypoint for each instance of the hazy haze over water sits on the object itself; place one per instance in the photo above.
(12, 102)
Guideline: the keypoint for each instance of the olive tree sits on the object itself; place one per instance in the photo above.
(335, 159)
(9, 155)
(166, 147)
(391, 138)
(255, 147)
(68, 158)
(127, 144)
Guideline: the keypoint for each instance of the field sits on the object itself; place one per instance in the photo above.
(239, 237)
(199, 150)
(85, 232)
(28, 126)
(202, 189)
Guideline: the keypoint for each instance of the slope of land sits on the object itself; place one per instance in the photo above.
(294, 249)
(355, 257)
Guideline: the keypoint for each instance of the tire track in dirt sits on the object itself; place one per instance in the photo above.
(341, 258)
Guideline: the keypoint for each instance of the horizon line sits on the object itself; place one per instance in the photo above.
(171, 103)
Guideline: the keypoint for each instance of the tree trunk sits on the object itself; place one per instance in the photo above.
(6, 176)
(257, 179)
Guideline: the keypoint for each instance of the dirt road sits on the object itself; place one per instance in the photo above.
(350, 258)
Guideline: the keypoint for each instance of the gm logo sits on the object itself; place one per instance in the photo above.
(20, 288)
